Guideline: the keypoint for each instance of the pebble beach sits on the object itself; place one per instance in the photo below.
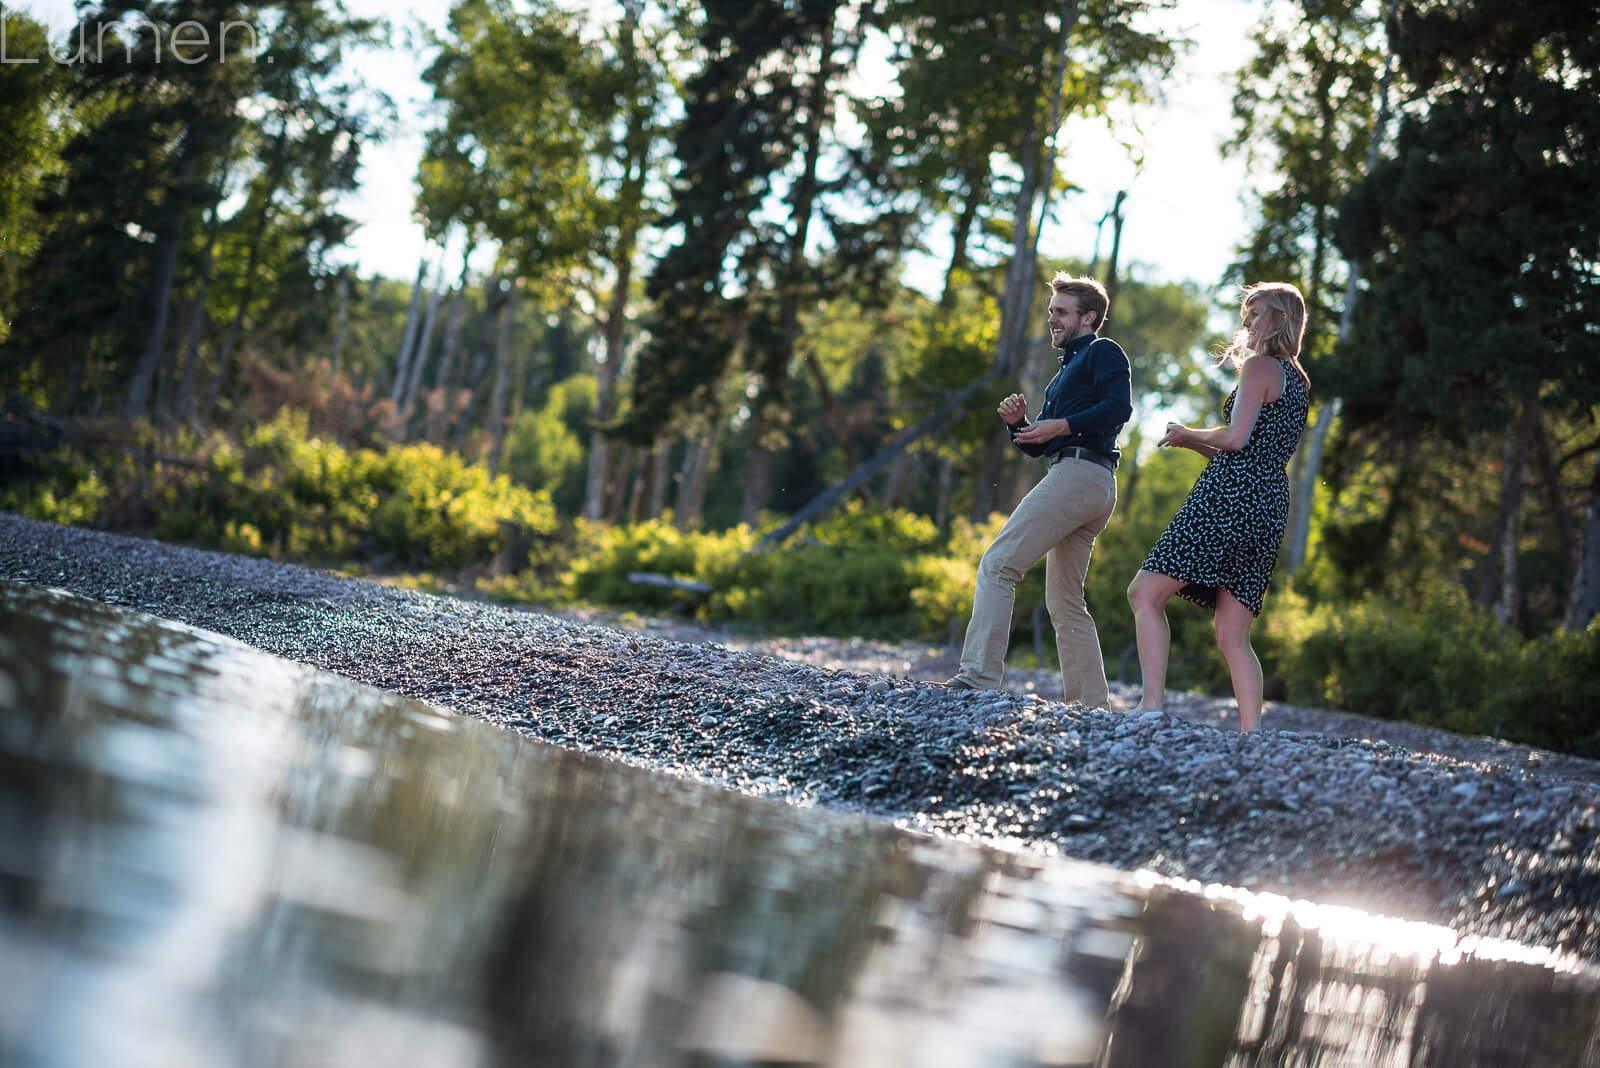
(1490, 839)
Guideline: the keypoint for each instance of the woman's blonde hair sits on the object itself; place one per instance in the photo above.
(1288, 309)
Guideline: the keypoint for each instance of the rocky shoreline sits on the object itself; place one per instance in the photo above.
(1489, 839)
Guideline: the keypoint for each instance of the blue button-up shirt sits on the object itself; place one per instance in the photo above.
(1093, 392)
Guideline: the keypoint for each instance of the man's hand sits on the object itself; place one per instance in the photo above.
(1014, 409)
(1041, 432)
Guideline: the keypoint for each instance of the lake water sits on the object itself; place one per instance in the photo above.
(211, 856)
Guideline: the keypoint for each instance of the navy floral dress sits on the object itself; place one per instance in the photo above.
(1228, 531)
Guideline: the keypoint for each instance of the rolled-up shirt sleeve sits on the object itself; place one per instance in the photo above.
(1034, 449)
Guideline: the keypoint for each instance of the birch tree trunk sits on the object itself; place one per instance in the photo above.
(1017, 304)
(1013, 315)
(1499, 583)
(408, 337)
(661, 477)
(494, 297)
(640, 481)
(340, 326)
(445, 370)
(941, 507)
(691, 456)
(497, 399)
(1305, 492)
(419, 360)
(1583, 603)
(636, 168)
(691, 501)
(617, 484)
(605, 373)
(444, 374)
(183, 403)
(144, 373)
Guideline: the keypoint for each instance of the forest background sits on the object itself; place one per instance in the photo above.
(664, 326)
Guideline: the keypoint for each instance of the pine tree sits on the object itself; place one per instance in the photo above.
(1483, 241)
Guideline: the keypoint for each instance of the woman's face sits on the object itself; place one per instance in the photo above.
(1259, 323)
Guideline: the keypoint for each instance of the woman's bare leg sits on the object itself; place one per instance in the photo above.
(1232, 624)
(1148, 595)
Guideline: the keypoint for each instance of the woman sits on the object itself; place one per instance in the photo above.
(1220, 548)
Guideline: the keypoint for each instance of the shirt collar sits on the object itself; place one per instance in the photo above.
(1075, 346)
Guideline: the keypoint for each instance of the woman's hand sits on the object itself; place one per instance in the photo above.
(1176, 437)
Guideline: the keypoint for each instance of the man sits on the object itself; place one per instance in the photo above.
(1084, 408)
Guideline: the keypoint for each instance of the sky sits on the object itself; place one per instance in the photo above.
(1183, 214)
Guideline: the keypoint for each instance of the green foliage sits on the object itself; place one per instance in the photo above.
(975, 82)
(859, 572)
(607, 554)
(186, 177)
(542, 448)
(285, 493)
(1489, 194)
(70, 496)
(31, 126)
(509, 159)
(1304, 110)
(1446, 663)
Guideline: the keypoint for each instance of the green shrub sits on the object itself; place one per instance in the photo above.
(1551, 694)
(860, 571)
(283, 492)
(605, 556)
(543, 449)
(1445, 663)
(72, 494)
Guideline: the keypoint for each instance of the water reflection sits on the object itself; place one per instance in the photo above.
(211, 856)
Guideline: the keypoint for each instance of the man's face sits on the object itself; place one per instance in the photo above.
(1066, 321)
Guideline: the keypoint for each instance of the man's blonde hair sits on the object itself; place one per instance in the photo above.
(1090, 295)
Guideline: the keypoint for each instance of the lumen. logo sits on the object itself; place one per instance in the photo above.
(188, 43)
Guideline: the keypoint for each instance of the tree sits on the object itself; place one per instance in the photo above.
(548, 147)
(1483, 243)
(759, 228)
(33, 122)
(1313, 106)
(151, 129)
(628, 93)
(312, 121)
(163, 119)
(987, 82)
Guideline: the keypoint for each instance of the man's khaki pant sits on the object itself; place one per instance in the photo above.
(1058, 519)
